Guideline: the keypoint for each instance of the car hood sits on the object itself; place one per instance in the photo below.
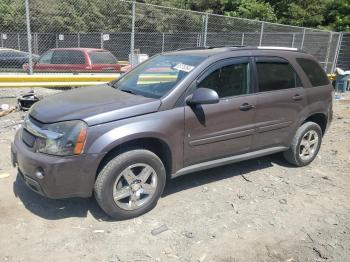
(95, 105)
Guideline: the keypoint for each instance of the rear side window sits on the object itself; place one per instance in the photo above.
(68, 57)
(102, 58)
(276, 76)
(314, 72)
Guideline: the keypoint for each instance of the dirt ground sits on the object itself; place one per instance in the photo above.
(257, 210)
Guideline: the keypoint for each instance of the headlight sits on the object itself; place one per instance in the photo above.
(67, 138)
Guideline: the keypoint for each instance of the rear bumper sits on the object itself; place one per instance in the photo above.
(63, 177)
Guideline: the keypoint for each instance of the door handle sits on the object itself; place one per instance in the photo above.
(246, 107)
(297, 97)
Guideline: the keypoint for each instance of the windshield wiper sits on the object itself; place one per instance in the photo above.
(128, 91)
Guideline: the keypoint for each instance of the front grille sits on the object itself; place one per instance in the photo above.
(28, 138)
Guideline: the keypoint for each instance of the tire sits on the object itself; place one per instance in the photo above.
(293, 154)
(106, 185)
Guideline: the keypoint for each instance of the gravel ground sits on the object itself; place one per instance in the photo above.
(257, 210)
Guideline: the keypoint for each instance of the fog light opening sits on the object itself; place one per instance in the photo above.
(39, 173)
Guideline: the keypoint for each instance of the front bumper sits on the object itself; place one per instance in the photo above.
(64, 177)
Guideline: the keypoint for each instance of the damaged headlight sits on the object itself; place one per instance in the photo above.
(63, 138)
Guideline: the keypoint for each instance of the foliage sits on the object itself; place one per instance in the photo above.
(114, 15)
(308, 13)
(337, 15)
(254, 9)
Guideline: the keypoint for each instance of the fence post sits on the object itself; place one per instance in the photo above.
(328, 51)
(205, 30)
(78, 39)
(261, 33)
(335, 60)
(242, 42)
(302, 39)
(36, 45)
(293, 39)
(29, 39)
(101, 36)
(163, 41)
(2, 41)
(18, 42)
(132, 40)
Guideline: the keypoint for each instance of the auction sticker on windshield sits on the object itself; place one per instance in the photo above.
(183, 67)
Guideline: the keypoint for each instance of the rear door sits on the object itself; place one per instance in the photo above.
(224, 129)
(68, 60)
(281, 100)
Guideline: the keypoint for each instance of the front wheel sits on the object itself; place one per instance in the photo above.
(130, 184)
(305, 145)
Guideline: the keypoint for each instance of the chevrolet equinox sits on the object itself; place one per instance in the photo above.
(174, 114)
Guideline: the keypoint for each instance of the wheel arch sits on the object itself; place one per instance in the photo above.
(320, 119)
(153, 144)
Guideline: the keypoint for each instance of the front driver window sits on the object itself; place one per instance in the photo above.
(230, 80)
(46, 58)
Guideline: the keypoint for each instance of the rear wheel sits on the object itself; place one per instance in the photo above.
(130, 184)
(305, 145)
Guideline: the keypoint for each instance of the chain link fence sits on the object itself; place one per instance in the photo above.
(344, 52)
(29, 28)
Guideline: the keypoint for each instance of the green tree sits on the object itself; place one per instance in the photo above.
(337, 15)
(12, 16)
(307, 13)
(252, 9)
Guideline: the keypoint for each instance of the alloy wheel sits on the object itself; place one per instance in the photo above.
(135, 186)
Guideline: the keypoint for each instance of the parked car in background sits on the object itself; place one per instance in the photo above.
(11, 58)
(77, 60)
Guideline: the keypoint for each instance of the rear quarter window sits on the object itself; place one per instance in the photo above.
(102, 58)
(313, 71)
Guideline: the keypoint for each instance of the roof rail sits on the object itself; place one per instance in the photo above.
(192, 48)
(208, 47)
(277, 48)
(243, 47)
(222, 46)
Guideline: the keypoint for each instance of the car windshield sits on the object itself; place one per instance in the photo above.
(157, 76)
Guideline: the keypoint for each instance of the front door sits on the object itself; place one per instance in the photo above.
(224, 129)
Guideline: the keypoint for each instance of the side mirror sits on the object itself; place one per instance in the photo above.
(203, 96)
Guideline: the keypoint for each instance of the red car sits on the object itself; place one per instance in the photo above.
(76, 60)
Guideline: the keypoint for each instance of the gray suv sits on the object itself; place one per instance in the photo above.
(174, 114)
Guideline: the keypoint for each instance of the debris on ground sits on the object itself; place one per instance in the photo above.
(188, 234)
(159, 230)
(4, 107)
(25, 101)
(246, 179)
(4, 175)
(320, 253)
(98, 231)
(8, 111)
(283, 201)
